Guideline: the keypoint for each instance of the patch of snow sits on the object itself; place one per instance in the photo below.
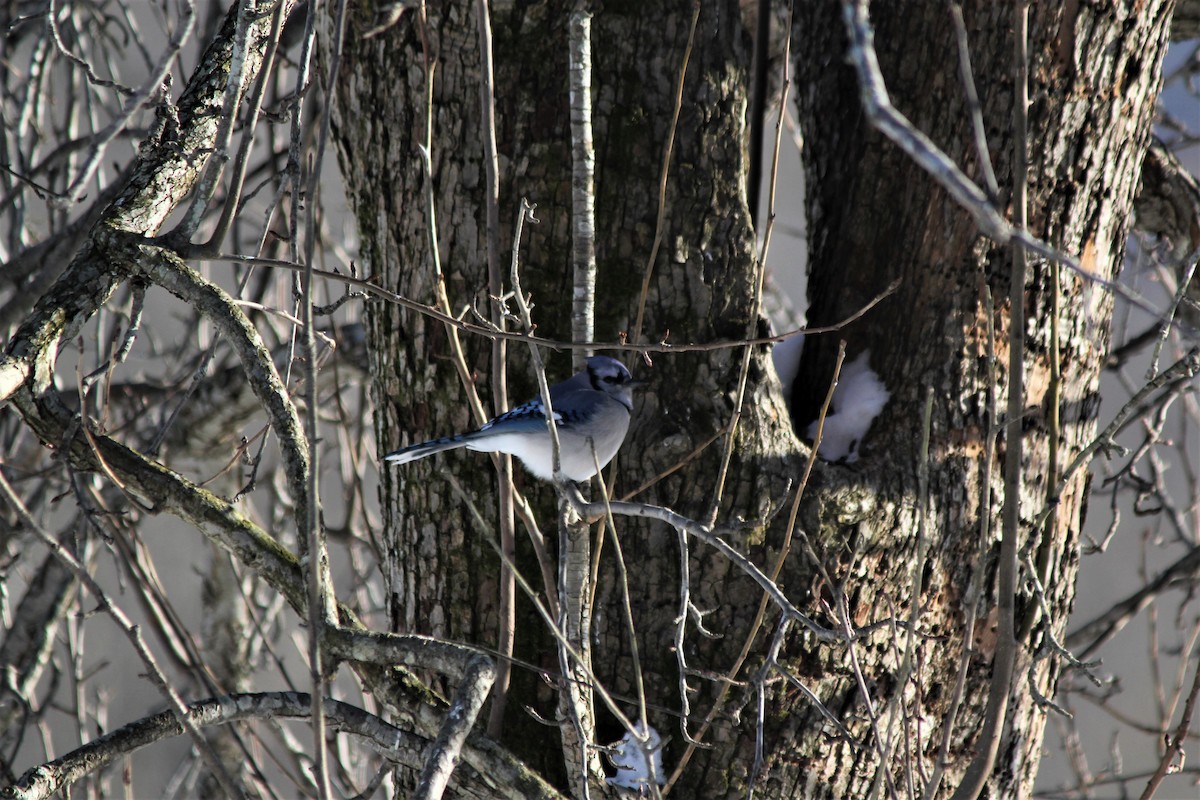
(857, 400)
(785, 356)
(633, 769)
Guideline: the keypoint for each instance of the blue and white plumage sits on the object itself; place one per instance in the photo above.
(594, 404)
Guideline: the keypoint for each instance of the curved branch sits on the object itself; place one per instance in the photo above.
(169, 271)
(168, 165)
(884, 117)
(116, 250)
(396, 745)
(710, 537)
(495, 334)
(381, 657)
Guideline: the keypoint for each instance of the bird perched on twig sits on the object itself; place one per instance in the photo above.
(591, 409)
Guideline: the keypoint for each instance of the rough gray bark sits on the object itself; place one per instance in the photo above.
(441, 570)
(873, 216)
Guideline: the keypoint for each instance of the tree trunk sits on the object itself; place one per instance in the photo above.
(873, 216)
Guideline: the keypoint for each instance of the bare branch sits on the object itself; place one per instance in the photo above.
(397, 745)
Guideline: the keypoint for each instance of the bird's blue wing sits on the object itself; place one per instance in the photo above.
(576, 408)
(528, 416)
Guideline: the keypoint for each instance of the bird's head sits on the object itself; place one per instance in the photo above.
(611, 377)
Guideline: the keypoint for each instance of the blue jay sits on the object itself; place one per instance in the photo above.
(593, 404)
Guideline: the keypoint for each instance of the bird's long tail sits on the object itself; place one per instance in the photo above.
(416, 451)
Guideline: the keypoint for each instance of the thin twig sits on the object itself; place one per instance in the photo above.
(506, 616)
(710, 537)
(719, 704)
(1004, 660)
(1177, 375)
(756, 307)
(881, 745)
(975, 108)
(152, 85)
(918, 570)
(589, 677)
(975, 587)
(641, 734)
(660, 221)
(92, 77)
(241, 163)
(1092, 635)
(322, 610)
(1053, 403)
(179, 709)
(206, 187)
(879, 110)
(1165, 326)
(451, 321)
(1172, 757)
